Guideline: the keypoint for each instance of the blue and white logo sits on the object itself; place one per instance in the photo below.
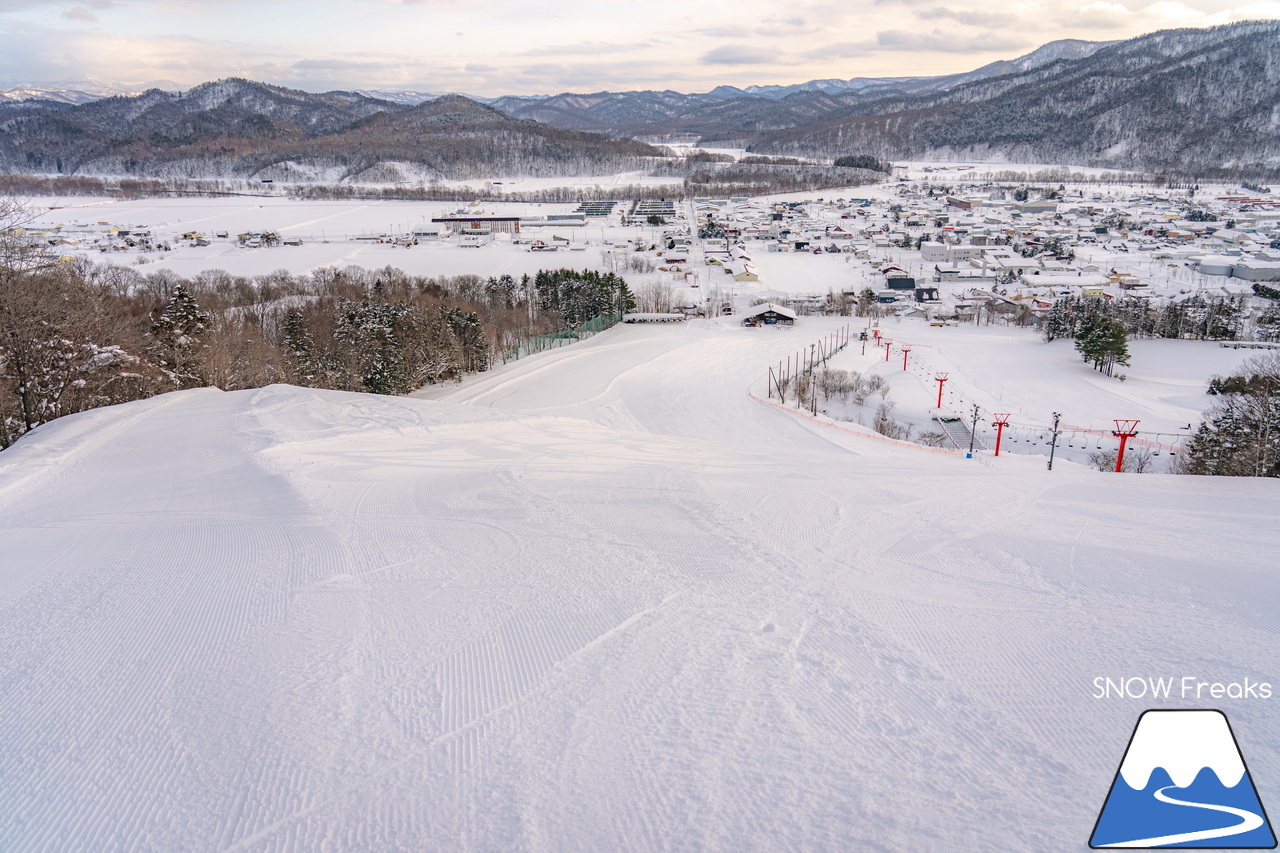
(1183, 783)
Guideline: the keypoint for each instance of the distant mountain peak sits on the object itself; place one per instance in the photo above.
(459, 106)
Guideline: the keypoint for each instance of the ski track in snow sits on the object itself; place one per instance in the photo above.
(595, 600)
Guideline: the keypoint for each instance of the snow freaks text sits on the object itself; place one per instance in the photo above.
(1185, 687)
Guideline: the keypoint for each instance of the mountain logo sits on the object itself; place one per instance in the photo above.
(1183, 783)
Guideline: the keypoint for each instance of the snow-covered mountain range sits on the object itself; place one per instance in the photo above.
(82, 91)
(240, 128)
(88, 89)
(1196, 102)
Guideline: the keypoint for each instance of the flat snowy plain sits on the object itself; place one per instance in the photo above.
(600, 599)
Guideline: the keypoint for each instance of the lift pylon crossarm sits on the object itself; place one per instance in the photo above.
(1125, 430)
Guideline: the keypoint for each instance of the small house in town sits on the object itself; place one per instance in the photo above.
(768, 314)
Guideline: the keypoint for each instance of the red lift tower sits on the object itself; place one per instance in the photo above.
(1124, 431)
(941, 376)
(905, 352)
(888, 345)
(1001, 421)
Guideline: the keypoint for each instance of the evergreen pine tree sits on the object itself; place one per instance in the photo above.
(370, 346)
(1267, 326)
(1102, 342)
(179, 333)
(1113, 344)
(1088, 339)
(299, 348)
(1240, 434)
(1058, 322)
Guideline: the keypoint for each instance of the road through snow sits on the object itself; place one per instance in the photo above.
(596, 600)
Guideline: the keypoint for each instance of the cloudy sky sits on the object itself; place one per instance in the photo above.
(491, 47)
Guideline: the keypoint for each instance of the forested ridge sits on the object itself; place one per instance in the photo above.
(1182, 100)
(240, 128)
(74, 336)
(1198, 101)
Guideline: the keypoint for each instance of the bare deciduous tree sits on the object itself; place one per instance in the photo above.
(655, 297)
(1137, 460)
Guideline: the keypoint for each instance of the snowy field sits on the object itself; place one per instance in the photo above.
(524, 184)
(334, 235)
(332, 231)
(601, 599)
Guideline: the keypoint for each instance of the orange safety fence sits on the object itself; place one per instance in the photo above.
(898, 343)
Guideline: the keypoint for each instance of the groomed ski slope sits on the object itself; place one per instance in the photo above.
(596, 600)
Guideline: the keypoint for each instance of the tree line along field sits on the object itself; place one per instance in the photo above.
(78, 336)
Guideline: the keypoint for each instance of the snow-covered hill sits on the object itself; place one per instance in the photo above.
(82, 91)
(597, 600)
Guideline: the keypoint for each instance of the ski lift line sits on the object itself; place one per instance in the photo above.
(1085, 436)
(1141, 437)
